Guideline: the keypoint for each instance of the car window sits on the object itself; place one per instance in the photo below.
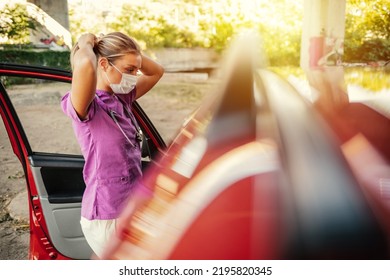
(37, 103)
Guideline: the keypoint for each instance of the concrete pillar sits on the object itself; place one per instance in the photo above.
(53, 17)
(322, 49)
(58, 10)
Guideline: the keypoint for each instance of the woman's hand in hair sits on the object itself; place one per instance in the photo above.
(87, 39)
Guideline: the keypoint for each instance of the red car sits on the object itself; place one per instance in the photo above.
(257, 172)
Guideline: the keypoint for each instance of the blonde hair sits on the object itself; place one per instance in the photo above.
(111, 46)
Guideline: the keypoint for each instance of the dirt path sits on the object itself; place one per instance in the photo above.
(167, 105)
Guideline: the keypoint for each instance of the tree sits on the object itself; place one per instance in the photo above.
(367, 31)
(15, 24)
(212, 24)
(154, 29)
(281, 29)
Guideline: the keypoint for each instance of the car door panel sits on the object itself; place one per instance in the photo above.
(61, 177)
(60, 187)
(55, 186)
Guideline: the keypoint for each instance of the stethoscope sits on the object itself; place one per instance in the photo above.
(112, 113)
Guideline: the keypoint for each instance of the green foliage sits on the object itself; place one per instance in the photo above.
(213, 25)
(373, 79)
(282, 46)
(370, 50)
(41, 58)
(15, 23)
(222, 33)
(286, 71)
(367, 31)
(153, 30)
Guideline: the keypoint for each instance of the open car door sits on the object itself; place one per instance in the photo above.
(37, 130)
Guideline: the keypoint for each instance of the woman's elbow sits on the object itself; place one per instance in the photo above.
(160, 71)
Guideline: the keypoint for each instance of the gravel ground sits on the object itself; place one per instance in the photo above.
(14, 233)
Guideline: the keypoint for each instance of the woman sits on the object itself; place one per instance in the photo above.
(104, 85)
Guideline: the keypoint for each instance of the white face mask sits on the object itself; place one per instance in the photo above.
(126, 84)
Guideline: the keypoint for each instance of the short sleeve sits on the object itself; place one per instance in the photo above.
(68, 109)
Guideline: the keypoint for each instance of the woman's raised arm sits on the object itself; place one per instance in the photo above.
(84, 77)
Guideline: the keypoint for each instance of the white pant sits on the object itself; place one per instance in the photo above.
(97, 233)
